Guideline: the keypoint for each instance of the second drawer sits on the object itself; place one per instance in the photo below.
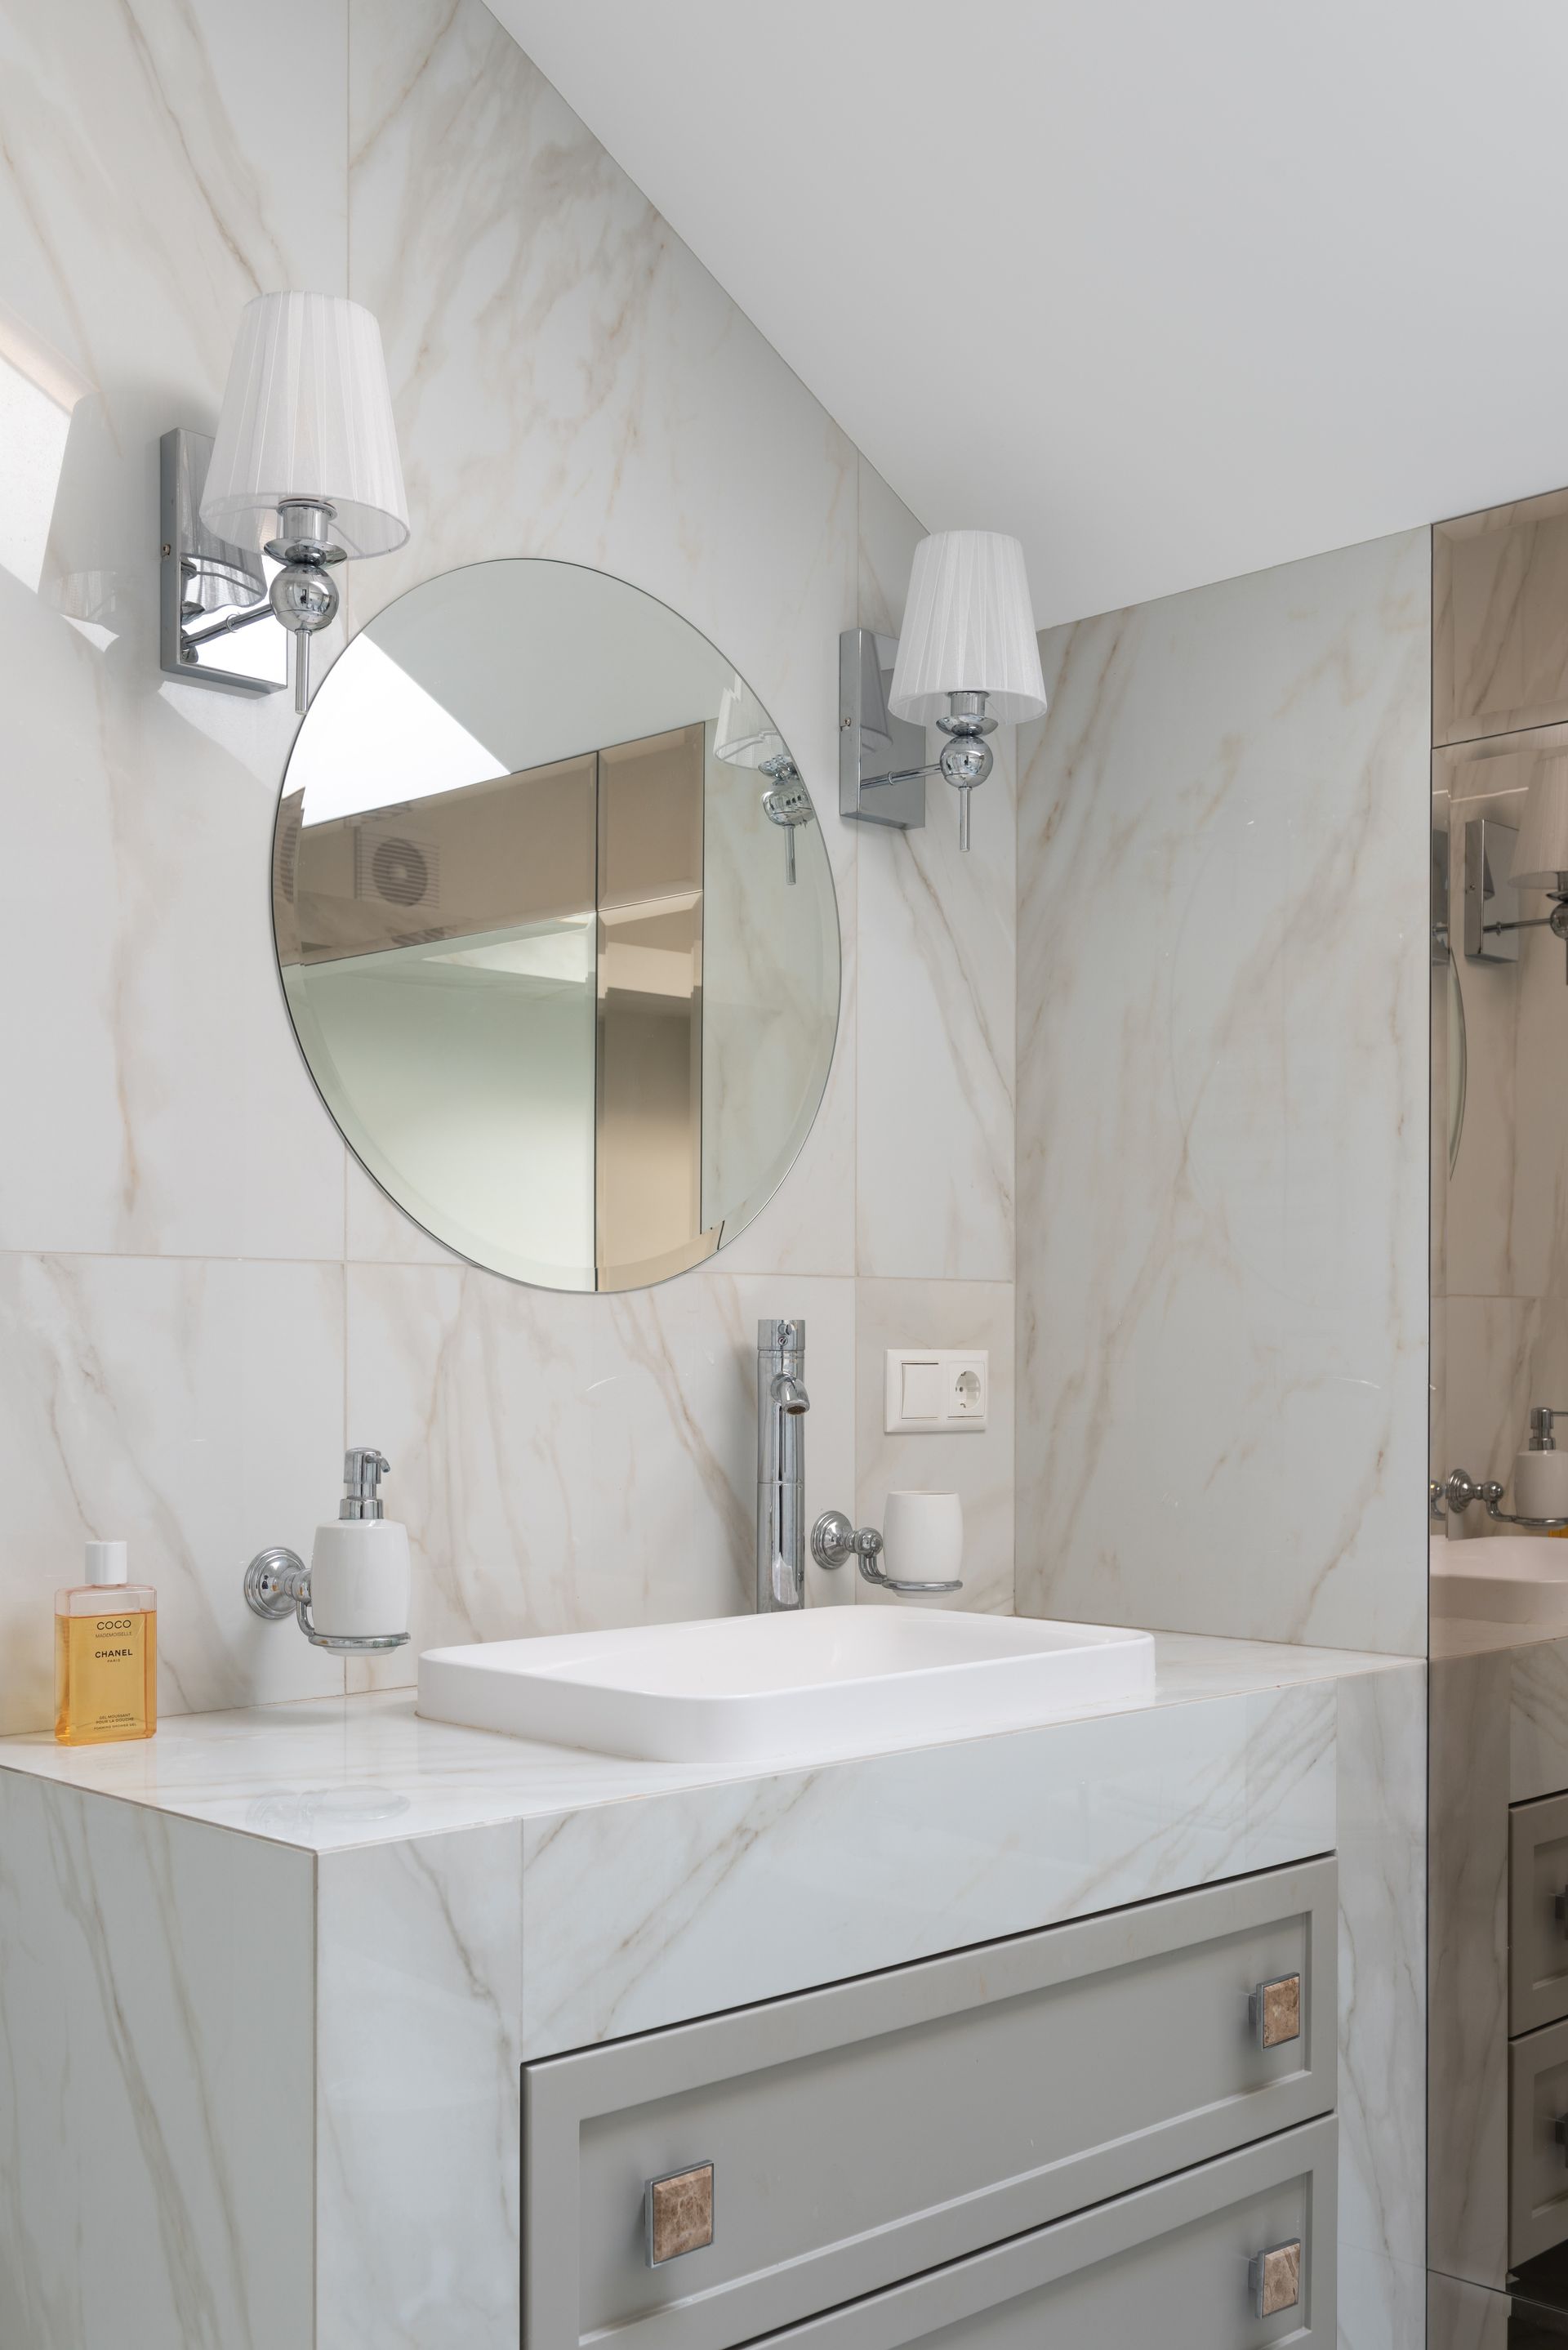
(1537, 1933)
(874, 2128)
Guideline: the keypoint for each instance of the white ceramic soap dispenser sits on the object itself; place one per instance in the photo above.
(360, 1574)
(1541, 1472)
(355, 1592)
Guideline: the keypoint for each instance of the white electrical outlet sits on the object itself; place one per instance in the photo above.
(937, 1390)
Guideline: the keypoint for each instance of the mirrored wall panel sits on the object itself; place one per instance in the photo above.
(556, 925)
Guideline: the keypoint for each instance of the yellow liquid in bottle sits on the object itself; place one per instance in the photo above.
(106, 1677)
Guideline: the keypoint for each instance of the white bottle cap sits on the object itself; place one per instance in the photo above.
(106, 1562)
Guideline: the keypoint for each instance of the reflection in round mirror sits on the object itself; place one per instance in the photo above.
(555, 924)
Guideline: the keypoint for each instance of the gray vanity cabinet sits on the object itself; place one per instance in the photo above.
(794, 2157)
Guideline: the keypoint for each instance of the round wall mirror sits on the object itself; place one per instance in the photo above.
(556, 925)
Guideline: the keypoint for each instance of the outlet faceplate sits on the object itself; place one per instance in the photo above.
(937, 1390)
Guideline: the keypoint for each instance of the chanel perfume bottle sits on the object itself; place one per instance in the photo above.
(105, 1654)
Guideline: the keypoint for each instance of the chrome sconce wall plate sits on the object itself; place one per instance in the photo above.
(304, 470)
(968, 660)
(1500, 862)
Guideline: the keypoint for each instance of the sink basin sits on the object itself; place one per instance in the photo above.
(1505, 1579)
(787, 1688)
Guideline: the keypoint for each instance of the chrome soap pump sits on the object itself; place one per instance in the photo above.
(355, 1594)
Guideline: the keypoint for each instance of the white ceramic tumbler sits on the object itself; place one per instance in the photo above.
(922, 1536)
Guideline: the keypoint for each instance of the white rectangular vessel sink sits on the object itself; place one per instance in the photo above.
(793, 1687)
(1503, 1579)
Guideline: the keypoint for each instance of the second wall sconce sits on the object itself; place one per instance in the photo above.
(304, 470)
(968, 660)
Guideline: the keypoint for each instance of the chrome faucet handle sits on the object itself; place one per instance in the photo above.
(833, 1539)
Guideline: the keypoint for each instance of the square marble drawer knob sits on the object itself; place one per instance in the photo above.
(1275, 2277)
(679, 2210)
(1276, 2011)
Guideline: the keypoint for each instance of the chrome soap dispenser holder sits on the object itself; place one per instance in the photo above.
(277, 1581)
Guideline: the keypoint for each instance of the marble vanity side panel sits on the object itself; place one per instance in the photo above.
(565, 1463)
(1467, 1961)
(1222, 1150)
(159, 164)
(569, 382)
(1538, 1720)
(976, 1463)
(637, 1915)
(1381, 1761)
(194, 1409)
(157, 2128)
(420, 1955)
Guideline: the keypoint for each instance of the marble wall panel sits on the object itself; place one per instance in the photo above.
(568, 381)
(1222, 1137)
(196, 1408)
(1499, 585)
(936, 1018)
(690, 1903)
(976, 1464)
(1380, 1754)
(156, 1978)
(420, 1952)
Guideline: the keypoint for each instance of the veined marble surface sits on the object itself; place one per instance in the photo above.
(200, 1300)
(1222, 1108)
(328, 1774)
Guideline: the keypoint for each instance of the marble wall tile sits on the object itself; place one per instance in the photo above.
(690, 1903)
(144, 196)
(155, 1979)
(1380, 1752)
(1466, 2317)
(976, 1464)
(420, 1954)
(1500, 583)
(563, 1462)
(194, 1409)
(1222, 1137)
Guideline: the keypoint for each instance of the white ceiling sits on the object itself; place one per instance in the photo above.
(1171, 289)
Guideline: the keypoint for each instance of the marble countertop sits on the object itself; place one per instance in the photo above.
(328, 1774)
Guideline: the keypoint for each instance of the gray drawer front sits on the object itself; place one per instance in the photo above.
(1538, 1940)
(1537, 2165)
(863, 2132)
(1166, 2266)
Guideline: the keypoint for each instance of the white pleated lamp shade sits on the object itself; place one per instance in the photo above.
(969, 628)
(745, 734)
(1541, 852)
(307, 414)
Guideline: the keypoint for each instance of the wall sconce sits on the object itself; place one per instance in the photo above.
(967, 661)
(745, 736)
(304, 470)
(1500, 861)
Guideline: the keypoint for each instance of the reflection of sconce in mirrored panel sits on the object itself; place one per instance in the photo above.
(968, 660)
(303, 469)
(1501, 861)
(745, 736)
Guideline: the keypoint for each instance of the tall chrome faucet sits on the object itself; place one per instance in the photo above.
(782, 1406)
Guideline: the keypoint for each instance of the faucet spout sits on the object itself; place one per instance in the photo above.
(789, 1395)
